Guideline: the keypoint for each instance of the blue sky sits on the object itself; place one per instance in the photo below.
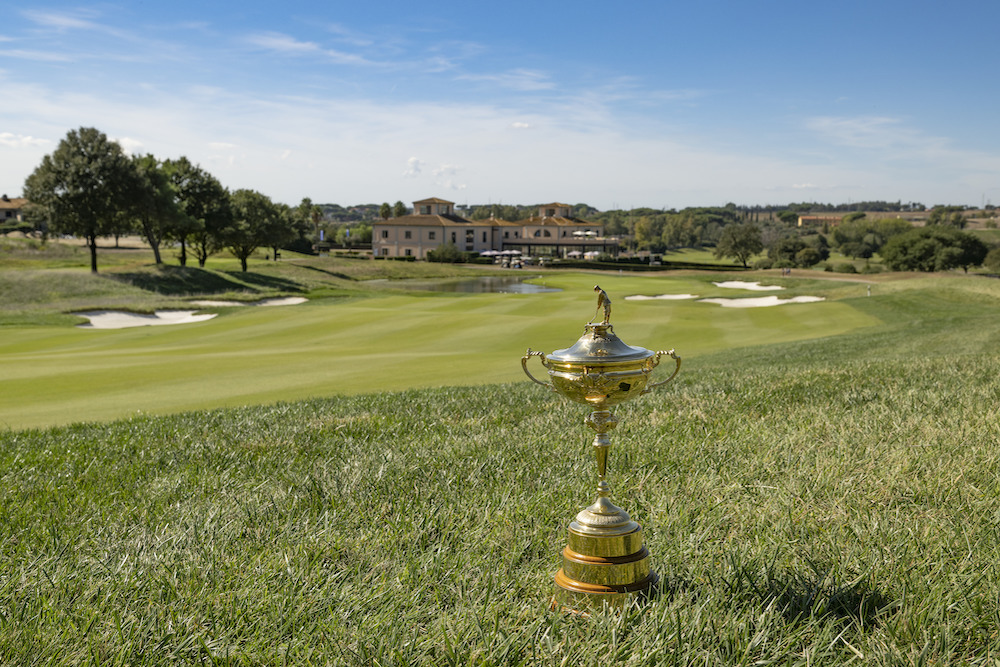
(661, 104)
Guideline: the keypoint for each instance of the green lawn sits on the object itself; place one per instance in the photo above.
(372, 341)
(816, 489)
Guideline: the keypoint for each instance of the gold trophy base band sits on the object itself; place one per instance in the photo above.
(579, 597)
(607, 570)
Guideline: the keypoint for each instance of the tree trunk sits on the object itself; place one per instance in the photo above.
(156, 252)
(92, 244)
(243, 263)
(184, 257)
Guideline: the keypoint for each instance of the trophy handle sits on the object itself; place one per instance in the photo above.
(656, 359)
(524, 364)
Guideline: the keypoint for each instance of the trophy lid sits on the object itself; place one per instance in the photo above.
(599, 344)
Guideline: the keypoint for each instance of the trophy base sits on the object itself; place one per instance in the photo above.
(603, 570)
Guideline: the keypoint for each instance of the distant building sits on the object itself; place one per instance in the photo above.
(553, 232)
(12, 209)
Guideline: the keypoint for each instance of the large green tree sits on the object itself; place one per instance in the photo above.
(934, 248)
(205, 204)
(87, 187)
(156, 206)
(741, 242)
(254, 218)
(862, 237)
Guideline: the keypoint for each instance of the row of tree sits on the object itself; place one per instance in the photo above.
(937, 247)
(89, 187)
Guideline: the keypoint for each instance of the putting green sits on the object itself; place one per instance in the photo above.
(54, 375)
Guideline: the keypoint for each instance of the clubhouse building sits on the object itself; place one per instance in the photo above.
(552, 233)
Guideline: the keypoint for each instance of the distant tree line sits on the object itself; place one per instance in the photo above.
(88, 187)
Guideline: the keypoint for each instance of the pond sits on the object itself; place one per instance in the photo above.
(482, 285)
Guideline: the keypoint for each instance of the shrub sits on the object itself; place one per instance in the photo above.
(992, 260)
(763, 263)
(845, 267)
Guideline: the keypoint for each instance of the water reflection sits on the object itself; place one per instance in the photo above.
(482, 285)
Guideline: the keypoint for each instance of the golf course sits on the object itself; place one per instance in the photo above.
(367, 476)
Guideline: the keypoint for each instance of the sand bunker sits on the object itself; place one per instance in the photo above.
(740, 284)
(667, 297)
(761, 302)
(287, 301)
(117, 319)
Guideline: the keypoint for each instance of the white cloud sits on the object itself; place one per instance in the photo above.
(520, 125)
(879, 132)
(37, 56)
(129, 145)
(287, 45)
(446, 170)
(20, 141)
(221, 146)
(520, 79)
(413, 167)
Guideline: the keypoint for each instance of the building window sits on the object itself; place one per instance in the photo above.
(547, 234)
(484, 237)
(425, 210)
(431, 235)
(516, 234)
(468, 234)
(468, 246)
(385, 233)
(407, 234)
(506, 235)
(538, 233)
(453, 237)
(407, 252)
(385, 252)
(550, 212)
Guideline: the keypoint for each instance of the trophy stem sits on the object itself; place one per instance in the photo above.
(602, 421)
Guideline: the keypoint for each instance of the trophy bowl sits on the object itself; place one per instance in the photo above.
(605, 561)
(599, 369)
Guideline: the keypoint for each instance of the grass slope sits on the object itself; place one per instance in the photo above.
(810, 502)
(372, 341)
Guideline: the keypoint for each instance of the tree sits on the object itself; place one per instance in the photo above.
(254, 217)
(786, 249)
(860, 237)
(156, 204)
(205, 203)
(992, 260)
(788, 217)
(934, 248)
(446, 252)
(679, 231)
(309, 215)
(741, 242)
(286, 226)
(399, 209)
(385, 211)
(86, 187)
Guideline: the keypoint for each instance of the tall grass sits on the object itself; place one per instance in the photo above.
(812, 502)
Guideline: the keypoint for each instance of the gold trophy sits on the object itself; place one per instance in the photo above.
(605, 561)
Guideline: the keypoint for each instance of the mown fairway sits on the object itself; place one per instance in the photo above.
(374, 342)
